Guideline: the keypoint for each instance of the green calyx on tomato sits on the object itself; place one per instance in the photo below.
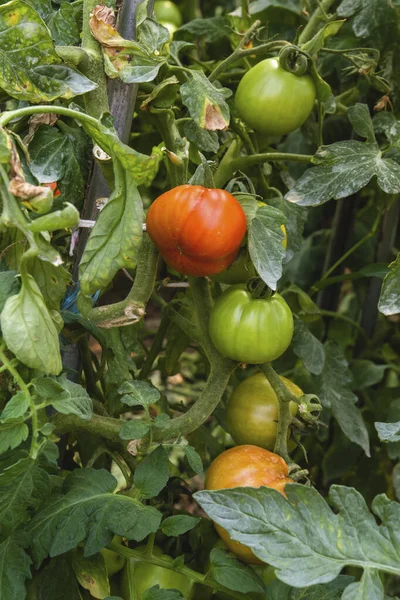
(197, 230)
(250, 330)
(274, 101)
(137, 577)
(252, 411)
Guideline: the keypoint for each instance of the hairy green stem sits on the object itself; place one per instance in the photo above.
(255, 159)
(132, 309)
(8, 116)
(285, 418)
(156, 346)
(315, 21)
(96, 102)
(9, 365)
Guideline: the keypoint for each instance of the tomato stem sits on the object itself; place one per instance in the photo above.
(318, 16)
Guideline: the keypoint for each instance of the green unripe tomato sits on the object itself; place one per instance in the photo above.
(114, 561)
(250, 330)
(137, 577)
(167, 12)
(272, 100)
(252, 411)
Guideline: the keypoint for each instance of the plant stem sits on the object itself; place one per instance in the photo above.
(165, 563)
(132, 309)
(156, 346)
(336, 315)
(254, 159)
(8, 116)
(96, 102)
(235, 54)
(9, 365)
(314, 22)
(285, 418)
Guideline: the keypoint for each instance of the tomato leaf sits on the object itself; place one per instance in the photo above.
(57, 580)
(12, 434)
(51, 280)
(265, 244)
(301, 536)
(206, 102)
(201, 138)
(373, 19)
(370, 587)
(91, 573)
(343, 169)
(296, 217)
(66, 520)
(16, 407)
(14, 570)
(361, 120)
(31, 69)
(211, 29)
(65, 396)
(133, 430)
(157, 593)
(389, 301)
(152, 474)
(308, 348)
(386, 122)
(366, 373)
(231, 573)
(316, 43)
(333, 389)
(178, 524)
(194, 460)
(388, 432)
(29, 331)
(139, 393)
(49, 152)
(9, 286)
(64, 25)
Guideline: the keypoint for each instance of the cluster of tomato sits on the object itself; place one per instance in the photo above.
(199, 232)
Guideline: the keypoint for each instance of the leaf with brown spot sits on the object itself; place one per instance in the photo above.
(206, 102)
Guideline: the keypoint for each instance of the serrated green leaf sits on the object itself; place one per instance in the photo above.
(64, 25)
(14, 570)
(16, 407)
(193, 458)
(369, 588)
(265, 244)
(31, 69)
(366, 373)
(29, 331)
(389, 301)
(12, 434)
(296, 217)
(231, 573)
(65, 396)
(133, 430)
(206, 102)
(343, 169)
(374, 19)
(178, 524)
(57, 580)
(308, 348)
(88, 509)
(139, 392)
(388, 432)
(23, 485)
(333, 387)
(211, 29)
(301, 536)
(203, 139)
(152, 474)
(325, 591)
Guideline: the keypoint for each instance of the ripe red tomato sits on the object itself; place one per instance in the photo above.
(246, 466)
(197, 230)
(252, 411)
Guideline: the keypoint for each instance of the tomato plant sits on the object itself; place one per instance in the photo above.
(246, 466)
(250, 330)
(252, 411)
(197, 230)
(199, 253)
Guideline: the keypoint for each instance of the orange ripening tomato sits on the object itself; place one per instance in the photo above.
(197, 230)
(246, 466)
(53, 187)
